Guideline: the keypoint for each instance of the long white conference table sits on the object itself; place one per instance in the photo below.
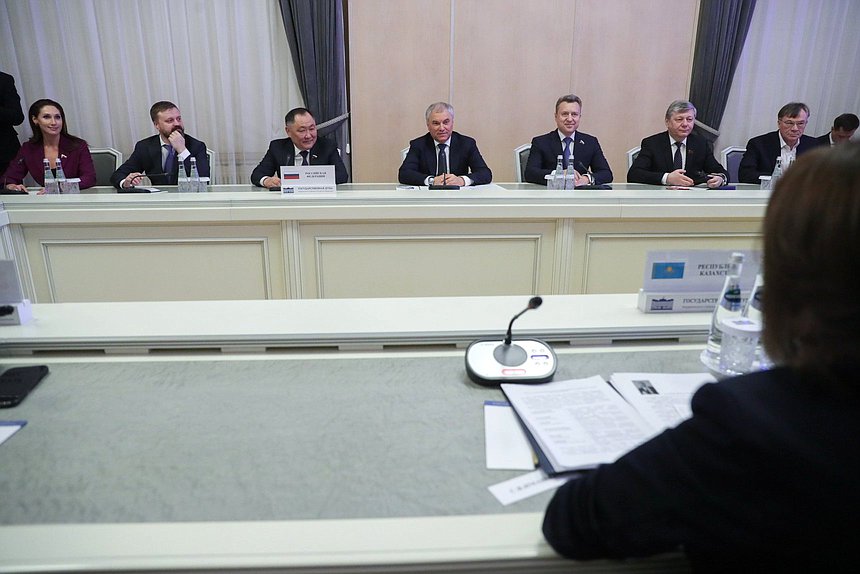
(238, 242)
(304, 436)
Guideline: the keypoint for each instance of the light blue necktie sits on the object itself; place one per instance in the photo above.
(565, 155)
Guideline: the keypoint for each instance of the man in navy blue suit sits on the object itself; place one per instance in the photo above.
(786, 143)
(580, 151)
(443, 156)
(677, 157)
(302, 147)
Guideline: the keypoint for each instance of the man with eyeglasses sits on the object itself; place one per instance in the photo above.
(786, 143)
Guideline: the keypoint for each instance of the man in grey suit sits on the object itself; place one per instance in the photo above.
(302, 147)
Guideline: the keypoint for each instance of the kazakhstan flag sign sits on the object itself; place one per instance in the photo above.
(667, 270)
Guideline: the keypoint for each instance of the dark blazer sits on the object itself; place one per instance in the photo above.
(587, 155)
(146, 157)
(761, 154)
(74, 154)
(824, 140)
(283, 152)
(657, 157)
(11, 115)
(463, 159)
(764, 473)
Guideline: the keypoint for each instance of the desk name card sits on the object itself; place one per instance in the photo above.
(316, 180)
(690, 281)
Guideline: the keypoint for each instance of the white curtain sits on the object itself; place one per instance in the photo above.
(796, 51)
(225, 63)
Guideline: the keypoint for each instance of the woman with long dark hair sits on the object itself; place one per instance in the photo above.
(51, 140)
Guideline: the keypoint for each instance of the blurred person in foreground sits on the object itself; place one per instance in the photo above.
(763, 477)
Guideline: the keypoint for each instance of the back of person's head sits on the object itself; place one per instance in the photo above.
(812, 263)
(159, 107)
(846, 122)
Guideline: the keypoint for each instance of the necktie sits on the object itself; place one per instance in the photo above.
(565, 155)
(679, 162)
(441, 164)
(304, 155)
(168, 161)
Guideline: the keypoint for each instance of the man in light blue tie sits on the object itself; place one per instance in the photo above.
(159, 157)
(580, 152)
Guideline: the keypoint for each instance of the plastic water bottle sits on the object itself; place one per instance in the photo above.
(558, 176)
(51, 185)
(729, 305)
(752, 309)
(61, 176)
(194, 186)
(777, 172)
(183, 183)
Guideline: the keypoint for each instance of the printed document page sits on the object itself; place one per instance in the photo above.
(578, 423)
(663, 399)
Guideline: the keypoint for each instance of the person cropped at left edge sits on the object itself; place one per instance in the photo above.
(579, 151)
(677, 156)
(443, 156)
(11, 115)
(158, 157)
(52, 141)
(301, 147)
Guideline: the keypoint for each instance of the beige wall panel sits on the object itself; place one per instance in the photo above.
(75, 264)
(611, 256)
(399, 63)
(417, 260)
(511, 61)
(631, 59)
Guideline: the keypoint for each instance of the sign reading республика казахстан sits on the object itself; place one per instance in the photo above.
(305, 180)
(690, 281)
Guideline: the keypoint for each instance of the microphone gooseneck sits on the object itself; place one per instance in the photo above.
(534, 303)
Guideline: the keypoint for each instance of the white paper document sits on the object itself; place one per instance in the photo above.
(579, 423)
(8, 428)
(526, 485)
(663, 399)
(505, 444)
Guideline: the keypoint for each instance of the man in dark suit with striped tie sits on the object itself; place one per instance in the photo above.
(302, 147)
(677, 157)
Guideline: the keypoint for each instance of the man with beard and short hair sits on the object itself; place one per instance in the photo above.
(158, 157)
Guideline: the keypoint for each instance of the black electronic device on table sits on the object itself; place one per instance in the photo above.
(493, 361)
(17, 382)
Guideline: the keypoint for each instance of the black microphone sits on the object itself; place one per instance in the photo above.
(534, 303)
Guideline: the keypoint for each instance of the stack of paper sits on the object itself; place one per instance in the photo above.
(581, 423)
